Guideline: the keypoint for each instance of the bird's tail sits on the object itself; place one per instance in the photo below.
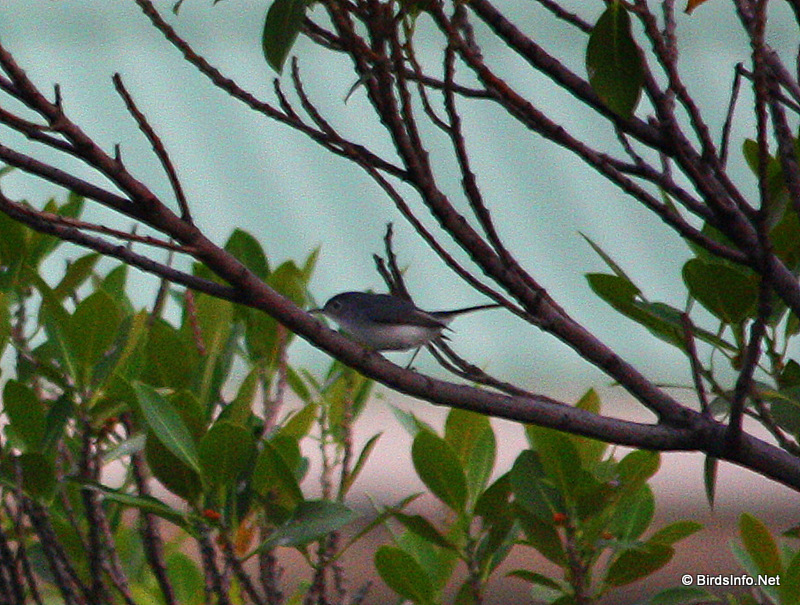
(447, 315)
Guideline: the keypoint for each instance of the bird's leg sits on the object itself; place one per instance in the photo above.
(413, 357)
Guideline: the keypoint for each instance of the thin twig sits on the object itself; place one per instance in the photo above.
(215, 583)
(11, 582)
(697, 367)
(468, 178)
(766, 418)
(752, 352)
(34, 220)
(229, 553)
(394, 277)
(726, 128)
(237, 92)
(565, 15)
(96, 551)
(72, 589)
(152, 541)
(451, 361)
(158, 147)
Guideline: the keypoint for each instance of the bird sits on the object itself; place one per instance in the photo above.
(385, 322)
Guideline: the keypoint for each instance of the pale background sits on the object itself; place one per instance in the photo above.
(240, 170)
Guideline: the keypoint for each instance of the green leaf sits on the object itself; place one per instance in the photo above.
(472, 438)
(682, 595)
(777, 193)
(410, 422)
(531, 488)
(790, 581)
(622, 295)
(288, 448)
(167, 425)
(542, 589)
(310, 264)
(186, 578)
(785, 243)
(26, 415)
(359, 465)
(114, 284)
(466, 593)
(667, 320)
(283, 22)
(214, 319)
(295, 381)
(276, 484)
(225, 451)
(637, 563)
(424, 529)
(241, 408)
(493, 503)
(299, 424)
(12, 243)
(124, 364)
(710, 465)
(675, 532)
(57, 417)
(542, 535)
(726, 292)
(56, 322)
(633, 515)
(5, 321)
(147, 504)
(289, 280)
(785, 408)
(437, 465)
(439, 563)
(481, 463)
(615, 68)
(171, 471)
(403, 574)
(171, 358)
(535, 578)
(612, 264)
(462, 428)
(790, 376)
(559, 459)
(636, 468)
(248, 251)
(310, 521)
(94, 326)
(590, 450)
(76, 274)
(495, 545)
(262, 338)
(126, 447)
(663, 321)
(38, 475)
(760, 545)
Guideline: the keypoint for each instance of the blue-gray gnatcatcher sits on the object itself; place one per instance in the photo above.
(388, 323)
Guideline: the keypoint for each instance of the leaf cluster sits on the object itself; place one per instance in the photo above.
(566, 497)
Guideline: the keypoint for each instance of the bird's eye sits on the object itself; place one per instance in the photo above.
(336, 304)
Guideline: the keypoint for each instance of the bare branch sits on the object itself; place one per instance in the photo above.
(63, 230)
(158, 147)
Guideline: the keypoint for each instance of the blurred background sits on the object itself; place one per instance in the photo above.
(240, 170)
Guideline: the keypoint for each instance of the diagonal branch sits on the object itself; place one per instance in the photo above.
(158, 147)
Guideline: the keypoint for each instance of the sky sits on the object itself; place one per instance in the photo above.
(240, 170)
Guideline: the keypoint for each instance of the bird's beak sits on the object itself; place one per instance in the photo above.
(316, 311)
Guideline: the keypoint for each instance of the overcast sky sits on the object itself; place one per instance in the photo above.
(240, 170)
